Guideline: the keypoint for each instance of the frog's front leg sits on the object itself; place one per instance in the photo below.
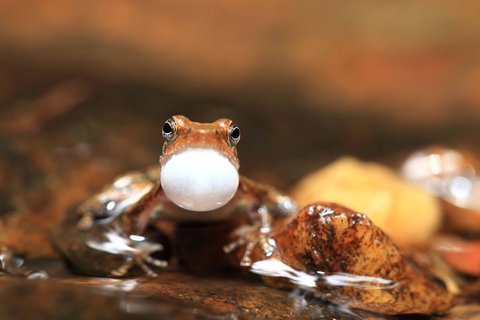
(266, 205)
(105, 235)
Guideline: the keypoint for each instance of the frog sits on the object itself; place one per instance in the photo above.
(331, 252)
(196, 180)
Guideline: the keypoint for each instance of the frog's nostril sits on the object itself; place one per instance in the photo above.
(199, 179)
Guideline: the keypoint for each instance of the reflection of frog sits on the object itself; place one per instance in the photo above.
(198, 174)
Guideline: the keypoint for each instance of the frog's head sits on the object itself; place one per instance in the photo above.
(199, 164)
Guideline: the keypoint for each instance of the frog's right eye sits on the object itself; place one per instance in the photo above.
(169, 130)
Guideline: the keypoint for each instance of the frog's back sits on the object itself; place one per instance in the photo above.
(125, 191)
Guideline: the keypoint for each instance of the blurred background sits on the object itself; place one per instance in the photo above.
(85, 87)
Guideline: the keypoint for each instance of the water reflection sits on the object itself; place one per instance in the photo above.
(434, 168)
(143, 307)
(447, 173)
(361, 282)
(13, 265)
(276, 268)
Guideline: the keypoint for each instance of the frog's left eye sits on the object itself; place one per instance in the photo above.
(233, 134)
(169, 130)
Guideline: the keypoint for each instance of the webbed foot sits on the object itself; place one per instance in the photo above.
(104, 249)
(136, 250)
(252, 236)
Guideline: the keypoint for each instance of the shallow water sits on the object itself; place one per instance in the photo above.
(172, 295)
(275, 268)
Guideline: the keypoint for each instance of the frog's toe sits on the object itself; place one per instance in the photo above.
(146, 268)
(229, 248)
(123, 269)
(267, 244)
(156, 262)
(247, 256)
(143, 258)
(249, 244)
(145, 263)
(248, 238)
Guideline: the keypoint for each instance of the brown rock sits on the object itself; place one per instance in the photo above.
(340, 255)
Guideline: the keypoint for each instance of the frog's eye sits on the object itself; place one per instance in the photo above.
(233, 134)
(169, 130)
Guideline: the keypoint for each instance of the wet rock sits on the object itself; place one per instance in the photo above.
(341, 256)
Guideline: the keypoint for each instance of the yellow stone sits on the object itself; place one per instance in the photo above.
(409, 215)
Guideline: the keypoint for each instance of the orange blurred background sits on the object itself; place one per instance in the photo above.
(410, 62)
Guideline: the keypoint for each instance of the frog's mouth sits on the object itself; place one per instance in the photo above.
(199, 179)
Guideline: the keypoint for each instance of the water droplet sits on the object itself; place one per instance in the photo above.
(135, 237)
(110, 205)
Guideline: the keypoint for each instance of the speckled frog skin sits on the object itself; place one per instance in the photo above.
(197, 180)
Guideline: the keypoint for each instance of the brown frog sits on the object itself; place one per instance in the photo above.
(197, 180)
(328, 250)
